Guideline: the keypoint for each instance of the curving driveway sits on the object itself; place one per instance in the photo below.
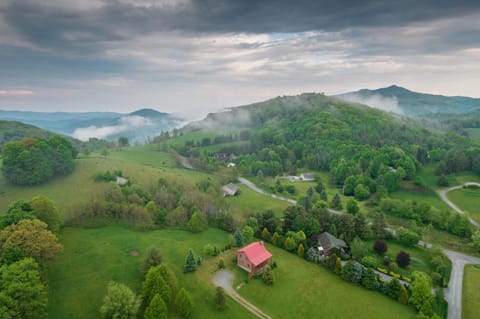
(224, 279)
(443, 195)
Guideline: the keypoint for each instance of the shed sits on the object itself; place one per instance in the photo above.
(230, 190)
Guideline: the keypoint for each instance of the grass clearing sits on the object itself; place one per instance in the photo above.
(78, 278)
(427, 196)
(306, 290)
(471, 291)
(467, 200)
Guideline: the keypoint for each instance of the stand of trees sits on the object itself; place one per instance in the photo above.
(33, 161)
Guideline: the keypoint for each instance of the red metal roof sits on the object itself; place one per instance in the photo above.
(256, 253)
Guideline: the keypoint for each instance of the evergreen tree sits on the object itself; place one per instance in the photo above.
(352, 206)
(421, 289)
(169, 276)
(393, 289)
(155, 284)
(378, 226)
(157, 309)
(265, 234)
(333, 229)
(357, 273)
(275, 239)
(300, 250)
(369, 279)
(323, 196)
(362, 228)
(336, 203)
(190, 263)
(238, 238)
(152, 259)
(267, 276)
(403, 297)
(183, 303)
(347, 271)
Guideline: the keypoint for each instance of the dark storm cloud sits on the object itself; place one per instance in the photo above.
(68, 28)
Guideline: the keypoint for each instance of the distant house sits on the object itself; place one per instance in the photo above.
(307, 177)
(326, 242)
(225, 156)
(231, 164)
(230, 190)
(253, 258)
(121, 181)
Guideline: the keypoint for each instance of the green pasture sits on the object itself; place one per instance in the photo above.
(78, 278)
(468, 200)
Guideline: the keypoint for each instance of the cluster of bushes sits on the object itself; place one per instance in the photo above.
(108, 176)
(33, 161)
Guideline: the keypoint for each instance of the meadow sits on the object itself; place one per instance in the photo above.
(306, 290)
(78, 277)
(468, 200)
(471, 291)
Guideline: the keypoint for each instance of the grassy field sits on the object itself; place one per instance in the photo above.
(467, 200)
(306, 290)
(248, 202)
(427, 196)
(146, 155)
(92, 257)
(471, 292)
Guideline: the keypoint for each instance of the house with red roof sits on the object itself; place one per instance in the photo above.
(253, 258)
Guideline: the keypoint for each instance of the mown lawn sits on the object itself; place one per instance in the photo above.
(467, 200)
(471, 292)
(306, 290)
(145, 155)
(78, 278)
(418, 194)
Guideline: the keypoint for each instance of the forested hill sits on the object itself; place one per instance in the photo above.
(313, 131)
(14, 131)
(402, 101)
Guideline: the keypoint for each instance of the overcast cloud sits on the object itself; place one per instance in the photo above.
(193, 57)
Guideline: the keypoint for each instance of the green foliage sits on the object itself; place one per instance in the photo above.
(16, 212)
(347, 271)
(352, 206)
(403, 295)
(196, 224)
(290, 244)
(361, 192)
(421, 292)
(238, 238)
(31, 237)
(183, 303)
(152, 259)
(220, 298)
(369, 261)
(247, 233)
(407, 237)
(157, 309)
(44, 209)
(393, 289)
(336, 203)
(33, 161)
(267, 275)
(22, 294)
(369, 279)
(358, 248)
(190, 263)
(476, 240)
(300, 250)
(221, 264)
(338, 266)
(153, 285)
(443, 181)
(119, 303)
(123, 141)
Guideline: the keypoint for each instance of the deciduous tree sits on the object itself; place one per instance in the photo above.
(119, 303)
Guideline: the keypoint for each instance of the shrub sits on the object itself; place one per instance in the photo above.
(267, 276)
(221, 264)
(382, 270)
(386, 260)
(403, 259)
(369, 261)
(380, 246)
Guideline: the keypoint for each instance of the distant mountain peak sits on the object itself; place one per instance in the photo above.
(146, 112)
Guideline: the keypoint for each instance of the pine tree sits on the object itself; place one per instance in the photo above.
(393, 289)
(300, 250)
(190, 263)
(238, 238)
(347, 271)
(323, 195)
(403, 297)
(275, 239)
(157, 309)
(369, 279)
(183, 303)
(155, 284)
(265, 234)
(267, 276)
(336, 203)
(152, 259)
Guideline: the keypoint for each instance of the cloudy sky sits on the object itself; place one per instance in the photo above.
(192, 57)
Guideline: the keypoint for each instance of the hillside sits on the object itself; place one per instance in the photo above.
(137, 126)
(403, 101)
(14, 131)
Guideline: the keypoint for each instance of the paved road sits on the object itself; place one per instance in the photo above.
(224, 279)
(257, 189)
(443, 195)
(453, 294)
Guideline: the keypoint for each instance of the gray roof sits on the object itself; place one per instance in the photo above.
(230, 189)
(328, 241)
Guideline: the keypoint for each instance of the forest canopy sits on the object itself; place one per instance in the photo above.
(33, 161)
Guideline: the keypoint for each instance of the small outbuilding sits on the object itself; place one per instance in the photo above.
(253, 258)
(230, 190)
(326, 242)
(307, 177)
(121, 181)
